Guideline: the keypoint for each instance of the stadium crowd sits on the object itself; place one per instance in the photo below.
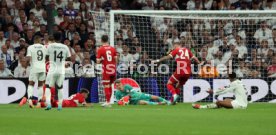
(250, 44)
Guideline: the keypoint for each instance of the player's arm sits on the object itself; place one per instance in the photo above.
(163, 58)
(220, 91)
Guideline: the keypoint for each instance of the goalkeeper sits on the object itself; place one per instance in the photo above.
(126, 94)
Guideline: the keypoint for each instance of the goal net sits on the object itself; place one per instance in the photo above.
(243, 41)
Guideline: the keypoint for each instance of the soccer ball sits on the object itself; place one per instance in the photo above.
(124, 101)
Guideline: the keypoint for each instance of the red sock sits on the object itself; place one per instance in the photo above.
(171, 88)
(42, 104)
(107, 92)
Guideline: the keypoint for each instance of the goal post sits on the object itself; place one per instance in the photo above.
(230, 37)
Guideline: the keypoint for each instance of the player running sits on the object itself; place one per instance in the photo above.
(108, 57)
(125, 91)
(57, 54)
(36, 54)
(236, 86)
(183, 57)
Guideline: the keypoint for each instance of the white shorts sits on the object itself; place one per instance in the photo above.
(237, 105)
(37, 76)
(53, 79)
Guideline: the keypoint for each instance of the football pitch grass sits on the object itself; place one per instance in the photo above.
(182, 119)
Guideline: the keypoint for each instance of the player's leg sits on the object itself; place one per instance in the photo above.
(159, 99)
(50, 82)
(60, 80)
(224, 103)
(171, 86)
(41, 80)
(30, 91)
(144, 102)
(106, 81)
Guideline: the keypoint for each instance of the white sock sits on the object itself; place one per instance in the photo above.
(40, 93)
(212, 106)
(30, 91)
(48, 96)
(60, 97)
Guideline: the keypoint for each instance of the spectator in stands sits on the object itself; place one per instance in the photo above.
(22, 44)
(83, 11)
(30, 37)
(42, 30)
(70, 11)
(59, 17)
(125, 57)
(10, 48)
(272, 68)
(71, 31)
(79, 53)
(38, 10)
(2, 39)
(263, 50)
(75, 64)
(149, 5)
(168, 4)
(241, 47)
(4, 72)
(83, 33)
(212, 49)
(16, 63)
(22, 70)
(69, 72)
(76, 40)
(15, 40)
(68, 44)
(6, 56)
(242, 70)
(87, 69)
(263, 33)
(219, 59)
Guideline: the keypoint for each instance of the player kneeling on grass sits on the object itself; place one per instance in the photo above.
(237, 88)
(126, 94)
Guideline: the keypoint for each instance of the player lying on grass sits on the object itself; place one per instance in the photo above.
(237, 88)
(125, 92)
(75, 100)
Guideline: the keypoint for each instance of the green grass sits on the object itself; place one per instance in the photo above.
(258, 119)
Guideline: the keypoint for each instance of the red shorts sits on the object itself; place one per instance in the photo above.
(179, 79)
(108, 78)
(65, 103)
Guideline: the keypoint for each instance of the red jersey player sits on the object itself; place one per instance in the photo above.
(183, 57)
(74, 100)
(107, 56)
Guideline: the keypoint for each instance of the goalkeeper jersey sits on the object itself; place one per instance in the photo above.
(129, 91)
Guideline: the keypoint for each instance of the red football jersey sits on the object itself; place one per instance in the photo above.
(107, 54)
(74, 100)
(183, 59)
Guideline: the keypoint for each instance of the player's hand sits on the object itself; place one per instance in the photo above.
(210, 91)
(156, 61)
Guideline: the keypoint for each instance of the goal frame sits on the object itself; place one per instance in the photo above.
(112, 13)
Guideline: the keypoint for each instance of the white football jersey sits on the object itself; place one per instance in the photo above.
(37, 52)
(58, 53)
(239, 91)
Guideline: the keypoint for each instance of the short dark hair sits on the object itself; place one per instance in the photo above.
(83, 90)
(37, 39)
(232, 75)
(57, 36)
(104, 38)
(117, 81)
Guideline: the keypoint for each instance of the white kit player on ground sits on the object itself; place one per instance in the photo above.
(36, 55)
(236, 86)
(57, 53)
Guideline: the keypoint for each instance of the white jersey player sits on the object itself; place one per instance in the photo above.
(236, 86)
(36, 54)
(57, 54)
